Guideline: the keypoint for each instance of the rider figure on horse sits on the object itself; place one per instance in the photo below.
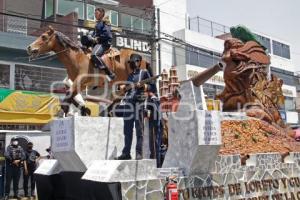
(101, 40)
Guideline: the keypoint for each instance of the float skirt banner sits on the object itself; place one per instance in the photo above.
(26, 107)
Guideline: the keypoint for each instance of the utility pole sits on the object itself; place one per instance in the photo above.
(85, 10)
(54, 10)
(153, 42)
(158, 45)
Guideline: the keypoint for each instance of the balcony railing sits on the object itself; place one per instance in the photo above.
(207, 27)
(16, 25)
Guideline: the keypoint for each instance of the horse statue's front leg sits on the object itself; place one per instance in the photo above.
(65, 105)
(75, 98)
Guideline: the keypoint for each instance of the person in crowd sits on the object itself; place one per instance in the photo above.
(50, 154)
(14, 160)
(32, 156)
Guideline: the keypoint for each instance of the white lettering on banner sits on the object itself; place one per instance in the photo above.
(62, 138)
(119, 42)
(146, 46)
(210, 127)
(126, 45)
(137, 45)
(134, 44)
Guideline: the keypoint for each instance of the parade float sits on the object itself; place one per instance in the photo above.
(244, 151)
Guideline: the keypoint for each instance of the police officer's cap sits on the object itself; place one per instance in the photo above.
(29, 143)
(135, 57)
(14, 139)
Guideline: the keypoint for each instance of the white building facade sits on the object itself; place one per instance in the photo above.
(202, 49)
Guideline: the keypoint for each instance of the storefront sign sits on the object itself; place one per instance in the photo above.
(134, 44)
(216, 79)
(126, 40)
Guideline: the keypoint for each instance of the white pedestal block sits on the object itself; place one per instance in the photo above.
(77, 141)
(194, 134)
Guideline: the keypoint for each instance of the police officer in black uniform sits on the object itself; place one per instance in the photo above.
(134, 113)
(14, 159)
(101, 39)
(31, 158)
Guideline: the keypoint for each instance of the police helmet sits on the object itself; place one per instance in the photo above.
(135, 57)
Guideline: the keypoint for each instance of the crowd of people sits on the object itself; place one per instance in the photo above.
(20, 161)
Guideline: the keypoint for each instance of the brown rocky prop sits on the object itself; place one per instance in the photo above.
(246, 83)
(253, 136)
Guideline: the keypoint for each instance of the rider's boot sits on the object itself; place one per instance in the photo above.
(100, 64)
(110, 75)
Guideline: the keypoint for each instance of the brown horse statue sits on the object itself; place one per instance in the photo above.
(80, 69)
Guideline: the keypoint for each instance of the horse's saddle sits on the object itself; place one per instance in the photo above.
(111, 52)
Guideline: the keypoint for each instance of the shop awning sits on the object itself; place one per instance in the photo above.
(25, 107)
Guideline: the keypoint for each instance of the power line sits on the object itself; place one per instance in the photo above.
(67, 24)
(174, 40)
(163, 3)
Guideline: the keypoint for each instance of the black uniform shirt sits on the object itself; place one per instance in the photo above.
(31, 157)
(137, 76)
(14, 153)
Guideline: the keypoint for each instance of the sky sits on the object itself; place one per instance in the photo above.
(276, 18)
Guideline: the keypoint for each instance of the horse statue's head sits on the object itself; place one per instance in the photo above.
(43, 44)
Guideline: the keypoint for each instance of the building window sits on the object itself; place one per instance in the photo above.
(16, 25)
(194, 58)
(4, 76)
(289, 104)
(39, 79)
(146, 26)
(90, 12)
(201, 57)
(134, 23)
(48, 8)
(281, 49)
(137, 24)
(266, 42)
(114, 18)
(287, 77)
(65, 7)
(126, 21)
